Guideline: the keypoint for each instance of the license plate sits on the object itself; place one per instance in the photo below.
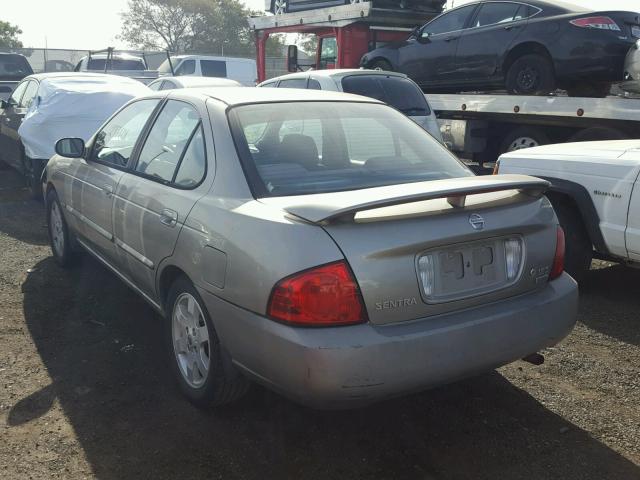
(635, 31)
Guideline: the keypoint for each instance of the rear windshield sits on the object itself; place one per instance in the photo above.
(14, 67)
(318, 147)
(116, 64)
(398, 92)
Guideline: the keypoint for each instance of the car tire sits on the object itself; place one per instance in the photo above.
(381, 64)
(198, 361)
(590, 90)
(523, 137)
(531, 74)
(596, 134)
(578, 247)
(60, 239)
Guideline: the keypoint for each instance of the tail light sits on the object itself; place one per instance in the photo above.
(601, 23)
(323, 296)
(558, 260)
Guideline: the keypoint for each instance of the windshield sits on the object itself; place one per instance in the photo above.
(165, 67)
(334, 146)
(398, 92)
(14, 67)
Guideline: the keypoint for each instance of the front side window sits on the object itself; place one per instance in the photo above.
(398, 92)
(316, 147)
(29, 94)
(214, 68)
(114, 144)
(449, 22)
(496, 13)
(328, 53)
(167, 141)
(188, 67)
(16, 96)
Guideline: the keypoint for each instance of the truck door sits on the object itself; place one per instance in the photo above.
(484, 44)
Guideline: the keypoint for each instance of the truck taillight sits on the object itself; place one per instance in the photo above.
(327, 295)
(600, 23)
(558, 259)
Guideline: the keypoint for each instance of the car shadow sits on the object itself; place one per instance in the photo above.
(21, 217)
(103, 350)
(609, 302)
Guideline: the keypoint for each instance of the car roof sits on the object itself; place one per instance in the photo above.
(248, 95)
(213, 57)
(338, 72)
(195, 81)
(46, 75)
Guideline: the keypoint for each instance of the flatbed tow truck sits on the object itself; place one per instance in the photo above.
(477, 126)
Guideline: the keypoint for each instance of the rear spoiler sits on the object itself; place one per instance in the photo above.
(335, 206)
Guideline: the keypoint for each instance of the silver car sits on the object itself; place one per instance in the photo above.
(319, 243)
(393, 88)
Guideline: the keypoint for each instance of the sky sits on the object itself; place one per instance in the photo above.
(94, 24)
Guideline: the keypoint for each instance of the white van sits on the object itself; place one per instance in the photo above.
(242, 70)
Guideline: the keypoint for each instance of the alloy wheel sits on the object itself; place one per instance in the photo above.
(528, 79)
(522, 143)
(191, 343)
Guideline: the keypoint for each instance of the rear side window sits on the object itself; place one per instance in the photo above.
(188, 67)
(293, 83)
(167, 85)
(192, 167)
(214, 68)
(167, 141)
(398, 92)
(313, 85)
(496, 13)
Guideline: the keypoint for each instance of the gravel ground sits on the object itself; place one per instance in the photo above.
(85, 393)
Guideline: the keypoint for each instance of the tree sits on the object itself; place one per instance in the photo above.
(204, 26)
(9, 35)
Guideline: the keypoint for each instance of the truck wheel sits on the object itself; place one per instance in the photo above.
(523, 137)
(197, 358)
(531, 75)
(596, 134)
(381, 64)
(578, 247)
(590, 90)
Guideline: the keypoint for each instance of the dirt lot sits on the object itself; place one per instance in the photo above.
(85, 393)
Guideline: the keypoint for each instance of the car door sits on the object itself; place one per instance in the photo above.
(6, 119)
(154, 198)
(484, 44)
(94, 179)
(429, 57)
(12, 151)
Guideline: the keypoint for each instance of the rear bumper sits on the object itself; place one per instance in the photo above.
(350, 366)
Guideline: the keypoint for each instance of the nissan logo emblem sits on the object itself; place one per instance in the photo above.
(476, 221)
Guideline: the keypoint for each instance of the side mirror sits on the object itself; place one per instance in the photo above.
(70, 147)
(4, 104)
(292, 58)
(424, 36)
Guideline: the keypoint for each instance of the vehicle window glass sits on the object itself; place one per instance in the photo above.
(188, 67)
(155, 86)
(213, 68)
(363, 145)
(193, 165)
(115, 64)
(313, 85)
(398, 92)
(115, 142)
(14, 67)
(167, 140)
(449, 22)
(17, 92)
(328, 53)
(496, 13)
(293, 83)
(29, 94)
(268, 85)
(167, 85)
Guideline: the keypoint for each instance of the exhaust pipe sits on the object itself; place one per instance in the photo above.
(534, 359)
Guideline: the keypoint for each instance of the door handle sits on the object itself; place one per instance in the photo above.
(448, 39)
(169, 217)
(509, 27)
(108, 190)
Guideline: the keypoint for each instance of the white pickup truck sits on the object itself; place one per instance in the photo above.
(595, 191)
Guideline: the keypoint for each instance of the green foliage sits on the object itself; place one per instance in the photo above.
(203, 26)
(9, 35)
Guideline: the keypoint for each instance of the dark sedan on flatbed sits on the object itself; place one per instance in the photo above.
(527, 48)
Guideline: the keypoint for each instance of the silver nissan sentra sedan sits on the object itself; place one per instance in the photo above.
(319, 243)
